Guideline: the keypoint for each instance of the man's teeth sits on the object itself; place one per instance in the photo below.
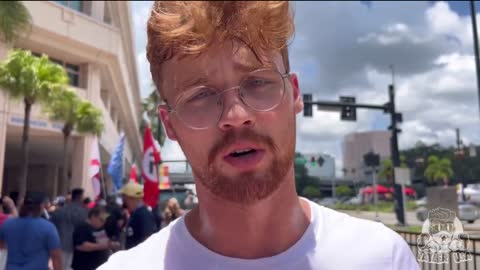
(243, 151)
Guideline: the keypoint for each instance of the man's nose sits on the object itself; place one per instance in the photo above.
(235, 113)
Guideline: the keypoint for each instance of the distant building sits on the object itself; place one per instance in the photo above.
(356, 145)
(325, 170)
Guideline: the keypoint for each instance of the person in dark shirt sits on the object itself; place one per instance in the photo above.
(142, 222)
(91, 244)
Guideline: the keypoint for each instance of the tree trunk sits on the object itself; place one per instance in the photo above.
(445, 182)
(65, 182)
(22, 181)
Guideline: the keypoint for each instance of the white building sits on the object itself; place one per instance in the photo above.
(93, 40)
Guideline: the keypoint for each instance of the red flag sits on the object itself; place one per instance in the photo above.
(151, 158)
(133, 174)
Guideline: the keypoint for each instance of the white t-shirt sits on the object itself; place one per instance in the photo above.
(333, 241)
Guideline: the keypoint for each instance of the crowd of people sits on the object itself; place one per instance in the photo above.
(74, 232)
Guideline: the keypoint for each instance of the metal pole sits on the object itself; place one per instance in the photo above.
(375, 195)
(395, 157)
(475, 46)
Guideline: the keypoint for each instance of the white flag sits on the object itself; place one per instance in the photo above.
(94, 170)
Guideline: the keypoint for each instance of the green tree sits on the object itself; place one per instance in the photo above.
(438, 169)
(386, 169)
(149, 110)
(78, 115)
(31, 79)
(343, 191)
(302, 178)
(311, 192)
(15, 20)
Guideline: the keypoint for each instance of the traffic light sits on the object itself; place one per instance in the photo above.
(348, 113)
(312, 161)
(319, 161)
(371, 159)
(307, 106)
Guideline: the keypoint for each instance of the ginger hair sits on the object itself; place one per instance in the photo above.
(186, 28)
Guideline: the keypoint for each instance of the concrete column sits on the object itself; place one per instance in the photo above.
(81, 155)
(98, 8)
(3, 120)
(83, 145)
(52, 180)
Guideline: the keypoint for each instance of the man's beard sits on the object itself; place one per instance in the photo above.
(247, 187)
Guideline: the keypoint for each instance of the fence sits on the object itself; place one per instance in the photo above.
(472, 245)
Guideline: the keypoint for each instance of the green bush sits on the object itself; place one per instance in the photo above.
(311, 192)
(343, 191)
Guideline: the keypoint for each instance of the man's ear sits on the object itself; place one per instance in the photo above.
(297, 98)
(165, 116)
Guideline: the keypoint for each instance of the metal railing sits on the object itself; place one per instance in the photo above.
(472, 245)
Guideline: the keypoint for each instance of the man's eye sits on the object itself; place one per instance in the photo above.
(201, 95)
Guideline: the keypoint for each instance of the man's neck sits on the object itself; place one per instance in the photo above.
(249, 232)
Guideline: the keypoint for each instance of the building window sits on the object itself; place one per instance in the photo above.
(80, 6)
(107, 16)
(76, 5)
(73, 71)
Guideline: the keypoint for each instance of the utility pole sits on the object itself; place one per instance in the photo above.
(459, 154)
(475, 45)
(395, 156)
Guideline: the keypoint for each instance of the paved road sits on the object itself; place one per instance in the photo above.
(390, 219)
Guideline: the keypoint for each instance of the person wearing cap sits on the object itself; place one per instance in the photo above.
(31, 240)
(142, 222)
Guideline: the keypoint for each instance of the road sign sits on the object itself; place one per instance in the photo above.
(402, 176)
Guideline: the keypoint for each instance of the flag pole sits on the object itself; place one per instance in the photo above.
(102, 176)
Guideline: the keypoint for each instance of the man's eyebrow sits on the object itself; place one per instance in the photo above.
(247, 66)
(194, 81)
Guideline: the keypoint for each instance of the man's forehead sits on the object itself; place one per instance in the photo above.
(179, 72)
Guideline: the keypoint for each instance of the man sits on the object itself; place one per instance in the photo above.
(7, 209)
(142, 222)
(66, 219)
(230, 101)
(31, 240)
(92, 246)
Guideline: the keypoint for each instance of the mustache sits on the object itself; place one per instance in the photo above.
(231, 136)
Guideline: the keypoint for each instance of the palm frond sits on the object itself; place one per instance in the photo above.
(15, 21)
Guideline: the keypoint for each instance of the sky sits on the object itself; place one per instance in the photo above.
(348, 48)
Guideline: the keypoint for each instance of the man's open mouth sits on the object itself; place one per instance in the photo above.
(243, 152)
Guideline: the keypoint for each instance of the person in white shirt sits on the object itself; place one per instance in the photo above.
(230, 101)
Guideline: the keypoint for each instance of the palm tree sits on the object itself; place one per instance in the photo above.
(15, 20)
(386, 169)
(149, 109)
(77, 115)
(438, 169)
(31, 79)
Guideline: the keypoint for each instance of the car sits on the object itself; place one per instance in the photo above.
(329, 201)
(354, 201)
(466, 212)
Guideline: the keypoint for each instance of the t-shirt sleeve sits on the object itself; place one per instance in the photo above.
(403, 257)
(82, 234)
(53, 240)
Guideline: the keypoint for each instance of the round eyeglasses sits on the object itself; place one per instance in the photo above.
(201, 107)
